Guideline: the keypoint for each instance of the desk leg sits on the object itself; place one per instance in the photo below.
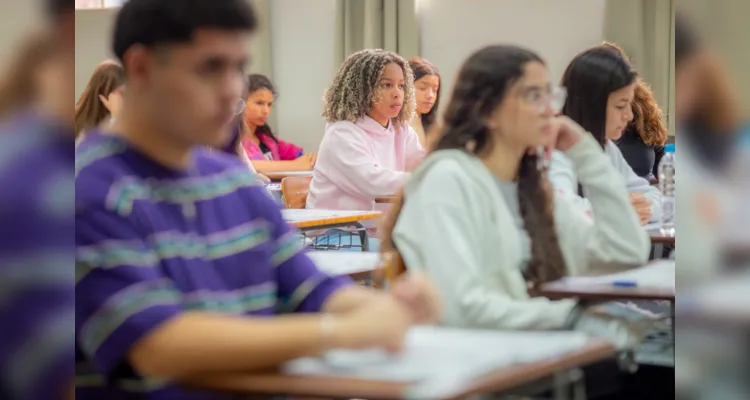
(658, 251)
(364, 239)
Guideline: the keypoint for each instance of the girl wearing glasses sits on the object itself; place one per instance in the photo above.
(267, 152)
(478, 214)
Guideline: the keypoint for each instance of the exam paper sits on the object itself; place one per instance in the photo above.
(442, 359)
(658, 274)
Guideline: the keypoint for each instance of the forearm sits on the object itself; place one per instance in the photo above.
(266, 166)
(196, 343)
(349, 299)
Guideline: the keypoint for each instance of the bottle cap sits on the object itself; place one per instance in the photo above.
(669, 148)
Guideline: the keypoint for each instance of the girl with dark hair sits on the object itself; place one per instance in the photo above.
(601, 88)
(478, 216)
(427, 93)
(642, 143)
(267, 152)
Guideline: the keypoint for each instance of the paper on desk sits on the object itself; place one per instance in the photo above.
(658, 274)
(339, 263)
(442, 360)
(294, 215)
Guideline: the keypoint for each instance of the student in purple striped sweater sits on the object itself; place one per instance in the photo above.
(37, 296)
(181, 258)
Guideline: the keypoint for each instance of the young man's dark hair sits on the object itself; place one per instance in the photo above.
(161, 22)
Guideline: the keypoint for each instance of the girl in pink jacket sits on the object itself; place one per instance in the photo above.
(368, 147)
(267, 152)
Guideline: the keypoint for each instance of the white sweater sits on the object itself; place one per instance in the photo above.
(456, 226)
(563, 177)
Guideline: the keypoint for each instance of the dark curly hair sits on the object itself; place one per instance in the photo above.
(481, 86)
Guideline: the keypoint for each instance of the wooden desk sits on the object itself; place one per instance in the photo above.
(502, 380)
(571, 288)
(386, 199)
(313, 220)
(326, 219)
(359, 265)
(658, 241)
(278, 176)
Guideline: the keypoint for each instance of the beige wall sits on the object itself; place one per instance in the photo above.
(724, 24)
(93, 32)
(93, 37)
(557, 30)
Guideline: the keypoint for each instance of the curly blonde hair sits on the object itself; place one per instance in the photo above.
(355, 87)
(647, 116)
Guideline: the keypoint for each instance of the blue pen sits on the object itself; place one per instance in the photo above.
(625, 283)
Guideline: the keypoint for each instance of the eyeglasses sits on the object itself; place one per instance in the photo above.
(555, 99)
(240, 107)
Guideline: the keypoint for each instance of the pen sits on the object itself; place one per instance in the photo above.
(625, 283)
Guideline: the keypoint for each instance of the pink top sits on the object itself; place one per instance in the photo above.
(359, 162)
(279, 150)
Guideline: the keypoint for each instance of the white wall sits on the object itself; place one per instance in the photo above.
(93, 42)
(302, 52)
(556, 30)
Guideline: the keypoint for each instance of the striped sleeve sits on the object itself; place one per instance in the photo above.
(301, 286)
(121, 294)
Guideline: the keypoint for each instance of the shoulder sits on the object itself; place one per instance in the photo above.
(446, 171)
(560, 162)
(343, 127)
(36, 171)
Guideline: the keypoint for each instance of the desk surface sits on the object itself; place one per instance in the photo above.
(599, 289)
(303, 218)
(656, 236)
(503, 379)
(277, 176)
(339, 263)
(719, 302)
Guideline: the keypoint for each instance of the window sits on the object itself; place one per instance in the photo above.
(98, 3)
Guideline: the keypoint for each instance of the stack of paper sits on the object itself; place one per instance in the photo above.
(296, 215)
(339, 263)
(442, 360)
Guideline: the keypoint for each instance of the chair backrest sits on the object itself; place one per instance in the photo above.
(391, 267)
(294, 190)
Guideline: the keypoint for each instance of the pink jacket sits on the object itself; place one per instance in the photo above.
(281, 150)
(360, 162)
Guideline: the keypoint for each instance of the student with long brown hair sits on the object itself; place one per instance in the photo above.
(101, 98)
(478, 214)
(427, 94)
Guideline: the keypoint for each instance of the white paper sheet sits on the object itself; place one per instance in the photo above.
(338, 263)
(297, 215)
(442, 360)
(658, 274)
(293, 173)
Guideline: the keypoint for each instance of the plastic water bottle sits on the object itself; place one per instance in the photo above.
(666, 185)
